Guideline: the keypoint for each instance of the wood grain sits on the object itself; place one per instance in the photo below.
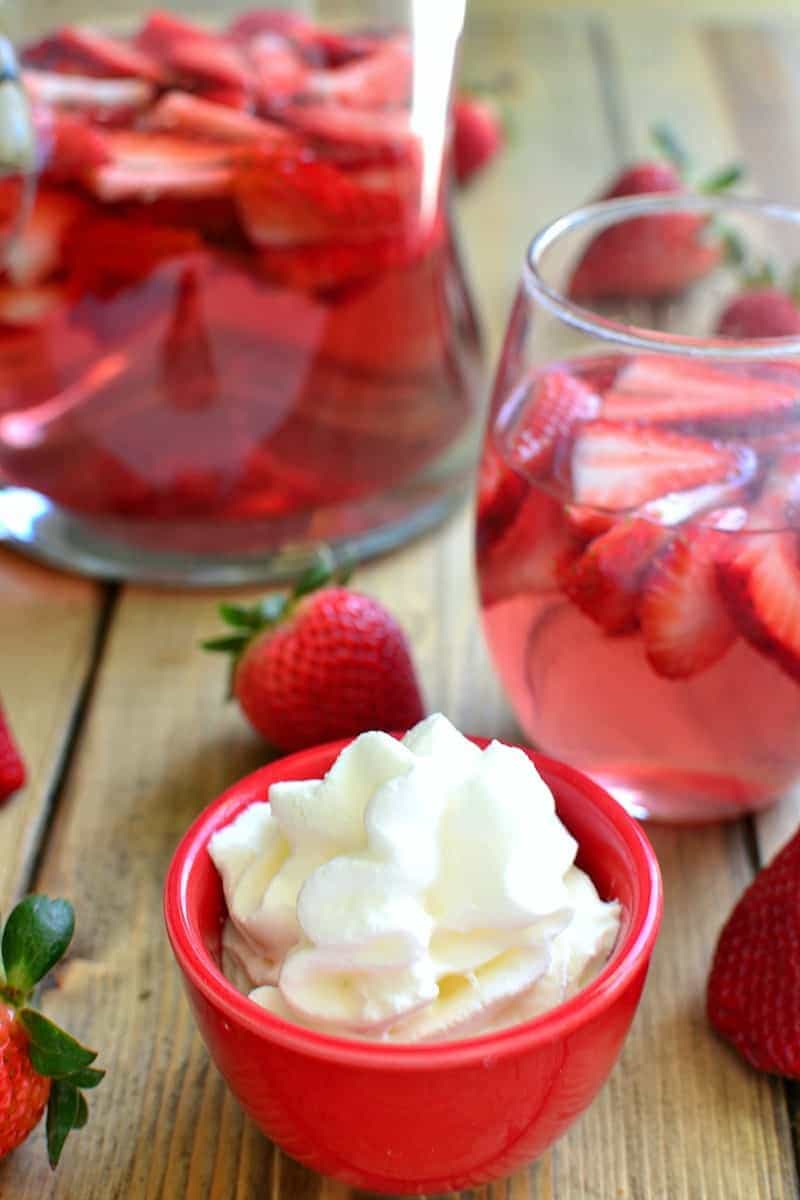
(681, 1118)
(47, 629)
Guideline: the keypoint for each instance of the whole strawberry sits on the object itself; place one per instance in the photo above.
(318, 664)
(763, 308)
(649, 257)
(12, 768)
(754, 985)
(478, 136)
(40, 1065)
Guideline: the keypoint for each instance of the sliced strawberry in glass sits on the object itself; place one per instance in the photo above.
(37, 250)
(191, 116)
(67, 145)
(109, 252)
(523, 549)
(550, 409)
(78, 49)
(618, 466)
(760, 584)
(103, 100)
(605, 582)
(278, 70)
(659, 390)
(685, 623)
(287, 199)
(380, 79)
(355, 135)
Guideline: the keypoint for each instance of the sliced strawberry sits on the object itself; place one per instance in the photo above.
(553, 405)
(163, 30)
(685, 623)
(145, 166)
(282, 22)
(662, 390)
(760, 584)
(286, 199)
(778, 501)
(193, 53)
(323, 267)
(531, 552)
(622, 466)
(380, 79)
(75, 48)
(278, 70)
(606, 580)
(26, 307)
(357, 134)
(190, 116)
(37, 251)
(106, 253)
(500, 492)
(100, 99)
(67, 144)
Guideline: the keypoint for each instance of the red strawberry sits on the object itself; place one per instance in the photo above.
(379, 79)
(40, 1065)
(192, 52)
(760, 583)
(685, 624)
(278, 70)
(650, 256)
(146, 166)
(617, 466)
(529, 553)
(477, 136)
(37, 251)
(323, 267)
(606, 580)
(76, 48)
(67, 145)
(190, 116)
(286, 199)
(753, 996)
(552, 407)
(320, 664)
(357, 134)
(658, 389)
(500, 493)
(106, 253)
(12, 767)
(100, 99)
(763, 312)
(282, 22)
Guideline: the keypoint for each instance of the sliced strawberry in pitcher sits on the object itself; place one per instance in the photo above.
(67, 145)
(37, 250)
(326, 266)
(110, 252)
(618, 466)
(193, 53)
(282, 22)
(658, 390)
(286, 199)
(380, 79)
(357, 135)
(760, 584)
(75, 48)
(685, 623)
(277, 69)
(539, 439)
(145, 166)
(605, 582)
(191, 116)
(99, 99)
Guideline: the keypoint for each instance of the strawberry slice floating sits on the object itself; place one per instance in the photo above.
(191, 116)
(551, 409)
(618, 466)
(605, 582)
(684, 621)
(77, 48)
(100, 99)
(760, 584)
(663, 391)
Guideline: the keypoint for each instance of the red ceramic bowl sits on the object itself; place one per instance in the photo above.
(412, 1119)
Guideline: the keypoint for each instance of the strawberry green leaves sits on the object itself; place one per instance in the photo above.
(36, 935)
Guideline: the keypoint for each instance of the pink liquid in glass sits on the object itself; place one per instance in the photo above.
(654, 644)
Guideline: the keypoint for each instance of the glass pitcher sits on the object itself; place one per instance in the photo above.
(233, 320)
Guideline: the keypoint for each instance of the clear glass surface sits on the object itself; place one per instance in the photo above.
(638, 522)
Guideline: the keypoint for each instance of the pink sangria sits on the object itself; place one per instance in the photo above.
(233, 323)
(638, 543)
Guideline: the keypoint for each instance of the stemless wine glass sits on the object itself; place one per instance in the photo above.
(639, 509)
(233, 324)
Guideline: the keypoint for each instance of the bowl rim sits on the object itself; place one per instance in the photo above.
(627, 958)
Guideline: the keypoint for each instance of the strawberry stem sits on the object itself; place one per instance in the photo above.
(722, 180)
(670, 146)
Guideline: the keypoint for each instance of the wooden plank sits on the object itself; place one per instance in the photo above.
(758, 74)
(46, 638)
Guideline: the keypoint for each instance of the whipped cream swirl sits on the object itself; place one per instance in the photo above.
(424, 889)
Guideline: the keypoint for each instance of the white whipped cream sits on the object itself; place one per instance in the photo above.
(424, 889)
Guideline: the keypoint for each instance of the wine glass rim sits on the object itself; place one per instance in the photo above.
(632, 336)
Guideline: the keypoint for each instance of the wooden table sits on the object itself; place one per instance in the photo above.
(127, 736)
